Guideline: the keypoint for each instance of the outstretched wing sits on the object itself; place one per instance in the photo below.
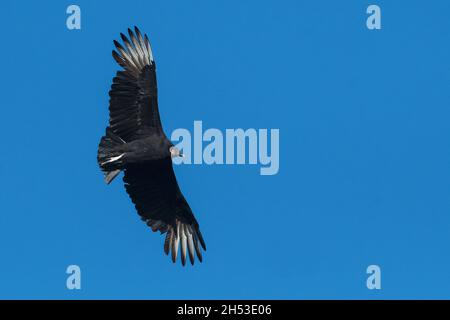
(154, 190)
(133, 104)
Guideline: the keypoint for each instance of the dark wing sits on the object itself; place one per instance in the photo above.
(133, 104)
(154, 190)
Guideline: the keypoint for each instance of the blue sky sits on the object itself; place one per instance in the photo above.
(364, 149)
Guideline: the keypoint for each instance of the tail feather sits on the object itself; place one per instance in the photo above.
(110, 175)
(109, 156)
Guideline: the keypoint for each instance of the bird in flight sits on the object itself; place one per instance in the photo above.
(136, 144)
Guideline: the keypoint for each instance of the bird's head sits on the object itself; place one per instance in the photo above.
(175, 152)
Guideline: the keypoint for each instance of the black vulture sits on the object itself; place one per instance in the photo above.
(136, 144)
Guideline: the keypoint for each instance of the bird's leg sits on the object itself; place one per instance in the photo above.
(112, 159)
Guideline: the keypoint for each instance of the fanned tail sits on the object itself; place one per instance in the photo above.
(109, 157)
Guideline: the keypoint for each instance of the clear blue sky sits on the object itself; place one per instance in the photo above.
(364, 153)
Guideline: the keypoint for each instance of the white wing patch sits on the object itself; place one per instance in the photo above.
(138, 52)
